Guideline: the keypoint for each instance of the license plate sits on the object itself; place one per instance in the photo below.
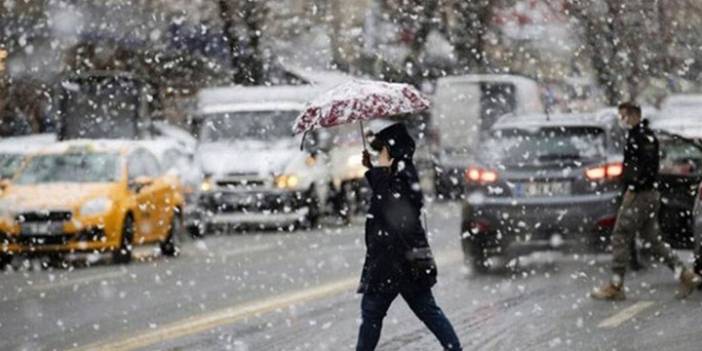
(42, 228)
(540, 189)
(236, 199)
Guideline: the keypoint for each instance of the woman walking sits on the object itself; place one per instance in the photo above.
(398, 259)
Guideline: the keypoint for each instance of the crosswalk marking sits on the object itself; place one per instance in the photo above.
(625, 314)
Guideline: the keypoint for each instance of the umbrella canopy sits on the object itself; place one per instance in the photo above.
(359, 100)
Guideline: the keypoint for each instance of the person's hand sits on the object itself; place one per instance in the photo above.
(367, 159)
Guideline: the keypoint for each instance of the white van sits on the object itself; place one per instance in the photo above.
(464, 108)
(254, 171)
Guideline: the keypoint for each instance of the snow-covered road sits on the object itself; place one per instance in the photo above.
(295, 291)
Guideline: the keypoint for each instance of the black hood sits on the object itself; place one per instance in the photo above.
(398, 141)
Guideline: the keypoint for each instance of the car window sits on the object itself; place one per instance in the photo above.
(9, 163)
(136, 166)
(680, 157)
(174, 158)
(543, 145)
(151, 165)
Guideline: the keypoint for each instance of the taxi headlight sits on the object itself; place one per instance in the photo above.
(288, 181)
(96, 206)
(6, 209)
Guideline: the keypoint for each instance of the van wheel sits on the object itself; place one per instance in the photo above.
(170, 246)
(123, 254)
(313, 210)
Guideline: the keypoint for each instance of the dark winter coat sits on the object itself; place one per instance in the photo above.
(641, 158)
(394, 216)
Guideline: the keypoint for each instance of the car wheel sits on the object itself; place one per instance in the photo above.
(196, 231)
(5, 260)
(698, 262)
(170, 247)
(57, 261)
(123, 254)
(313, 210)
(474, 255)
(349, 201)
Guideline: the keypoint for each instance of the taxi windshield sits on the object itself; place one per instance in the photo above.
(69, 168)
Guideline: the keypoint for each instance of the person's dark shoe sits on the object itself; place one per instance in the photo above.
(689, 281)
(609, 292)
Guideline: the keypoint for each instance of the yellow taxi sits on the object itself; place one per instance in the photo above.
(90, 196)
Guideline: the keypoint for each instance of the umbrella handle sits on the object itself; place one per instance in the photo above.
(363, 135)
(302, 142)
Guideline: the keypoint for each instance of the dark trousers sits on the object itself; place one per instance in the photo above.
(374, 306)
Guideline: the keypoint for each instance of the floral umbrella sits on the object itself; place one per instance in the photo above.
(359, 100)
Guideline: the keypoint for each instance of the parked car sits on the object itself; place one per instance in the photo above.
(90, 196)
(254, 171)
(463, 111)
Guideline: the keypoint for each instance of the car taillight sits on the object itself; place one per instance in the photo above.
(480, 175)
(607, 222)
(479, 226)
(606, 171)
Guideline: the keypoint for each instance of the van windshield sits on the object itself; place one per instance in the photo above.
(544, 145)
(247, 125)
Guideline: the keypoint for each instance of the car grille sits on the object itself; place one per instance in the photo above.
(5, 239)
(240, 183)
(44, 216)
(236, 203)
(43, 239)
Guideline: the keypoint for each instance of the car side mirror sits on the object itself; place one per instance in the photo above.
(173, 172)
(324, 140)
(4, 184)
(139, 183)
(310, 144)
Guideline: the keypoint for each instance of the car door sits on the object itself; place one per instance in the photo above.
(679, 178)
(161, 189)
(142, 188)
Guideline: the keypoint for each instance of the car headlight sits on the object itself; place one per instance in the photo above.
(6, 209)
(355, 161)
(288, 181)
(96, 206)
(206, 185)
